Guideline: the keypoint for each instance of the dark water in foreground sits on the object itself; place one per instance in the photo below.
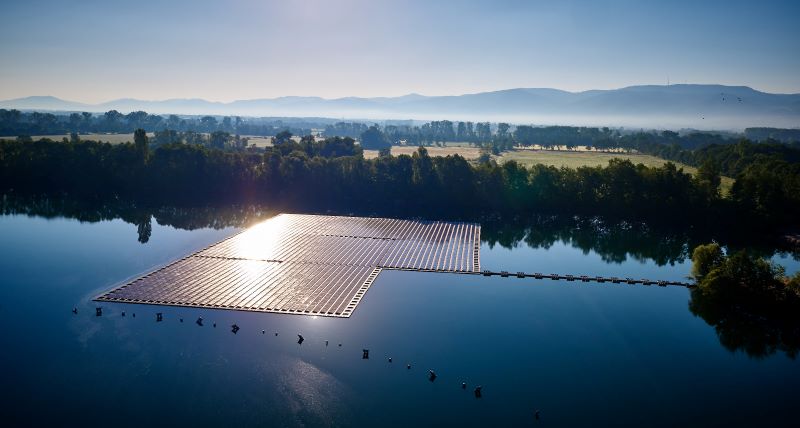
(582, 354)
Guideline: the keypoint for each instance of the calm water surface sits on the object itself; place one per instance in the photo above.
(582, 354)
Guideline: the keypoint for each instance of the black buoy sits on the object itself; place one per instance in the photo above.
(74, 310)
(300, 339)
(365, 354)
(340, 345)
(199, 321)
(536, 414)
(326, 343)
(463, 385)
(214, 325)
(263, 332)
(276, 334)
(181, 319)
(159, 317)
(431, 375)
(123, 313)
(234, 328)
(98, 312)
(408, 366)
(478, 391)
(133, 314)
(390, 359)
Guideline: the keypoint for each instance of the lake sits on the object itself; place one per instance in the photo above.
(580, 353)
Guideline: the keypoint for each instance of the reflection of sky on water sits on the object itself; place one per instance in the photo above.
(562, 258)
(583, 354)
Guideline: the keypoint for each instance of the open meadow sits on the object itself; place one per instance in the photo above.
(575, 159)
(106, 138)
(467, 152)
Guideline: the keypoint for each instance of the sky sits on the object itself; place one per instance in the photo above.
(94, 51)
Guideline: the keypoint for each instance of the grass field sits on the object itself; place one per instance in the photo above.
(106, 138)
(259, 141)
(469, 153)
(577, 158)
(584, 158)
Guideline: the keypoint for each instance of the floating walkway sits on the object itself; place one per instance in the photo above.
(305, 264)
(585, 278)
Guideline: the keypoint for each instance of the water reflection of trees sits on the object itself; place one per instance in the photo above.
(749, 300)
(739, 327)
(614, 242)
(91, 211)
(757, 330)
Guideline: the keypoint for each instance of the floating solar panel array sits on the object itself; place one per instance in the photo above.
(305, 264)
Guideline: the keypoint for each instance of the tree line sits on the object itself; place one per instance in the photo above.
(496, 136)
(333, 174)
(16, 123)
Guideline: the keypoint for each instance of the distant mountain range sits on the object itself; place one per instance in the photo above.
(673, 106)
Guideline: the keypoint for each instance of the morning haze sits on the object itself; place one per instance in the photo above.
(96, 51)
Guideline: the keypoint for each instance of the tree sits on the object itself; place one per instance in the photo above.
(502, 129)
(209, 123)
(484, 131)
(87, 120)
(173, 122)
(461, 131)
(282, 137)
(112, 119)
(167, 136)
(136, 119)
(140, 141)
(373, 139)
(705, 258)
(219, 139)
(751, 304)
(709, 178)
(74, 122)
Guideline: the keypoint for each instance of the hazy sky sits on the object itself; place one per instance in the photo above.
(94, 51)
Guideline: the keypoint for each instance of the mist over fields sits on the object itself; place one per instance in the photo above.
(653, 106)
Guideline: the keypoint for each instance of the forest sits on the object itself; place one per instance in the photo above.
(332, 174)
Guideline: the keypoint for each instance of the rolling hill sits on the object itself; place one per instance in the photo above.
(674, 106)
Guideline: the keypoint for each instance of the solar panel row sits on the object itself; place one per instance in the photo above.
(306, 264)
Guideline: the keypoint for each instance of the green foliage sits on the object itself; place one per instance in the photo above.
(709, 178)
(770, 190)
(793, 284)
(332, 173)
(220, 140)
(743, 275)
(141, 141)
(705, 258)
(752, 305)
(282, 137)
(374, 139)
